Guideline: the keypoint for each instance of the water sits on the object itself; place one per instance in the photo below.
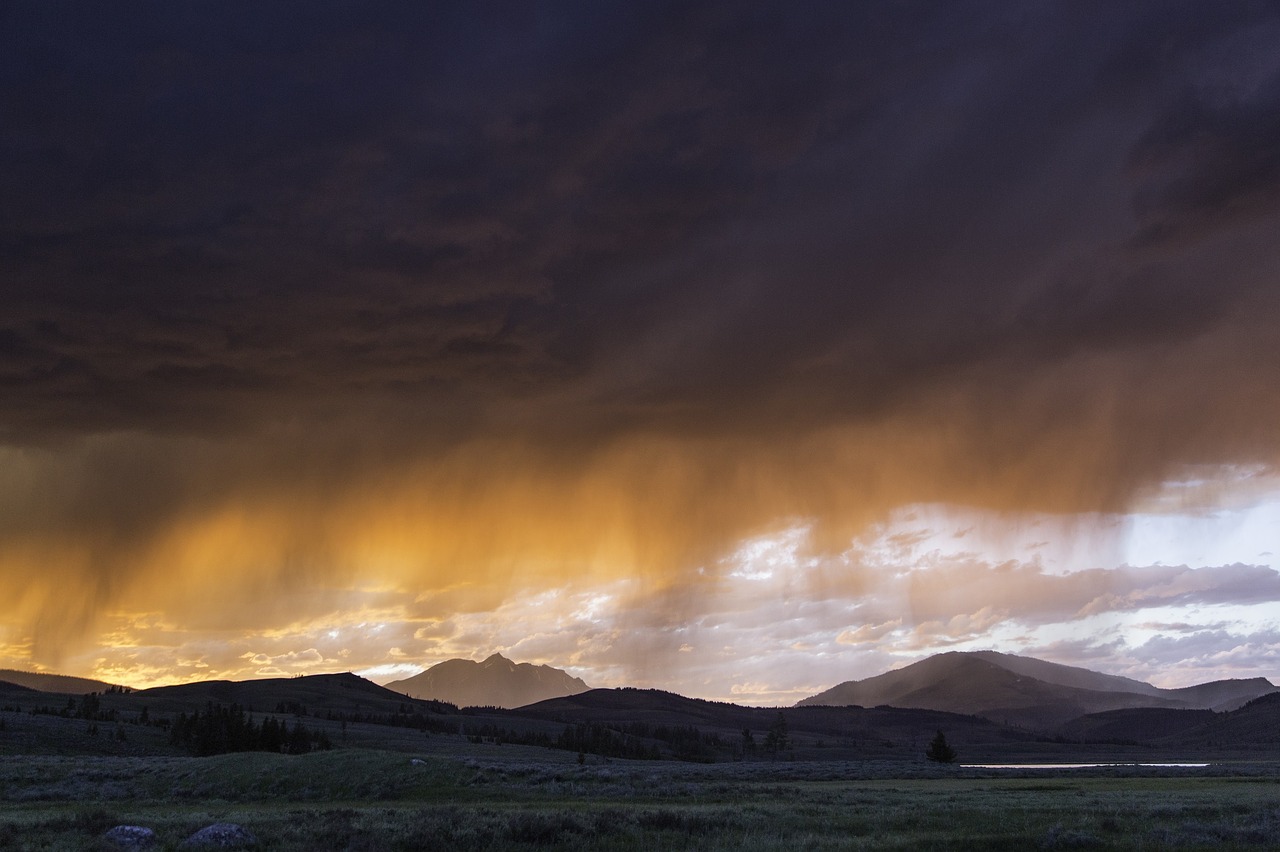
(1078, 765)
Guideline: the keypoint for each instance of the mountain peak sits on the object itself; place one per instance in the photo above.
(1031, 692)
(494, 681)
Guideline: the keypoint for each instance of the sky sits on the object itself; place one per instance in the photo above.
(736, 349)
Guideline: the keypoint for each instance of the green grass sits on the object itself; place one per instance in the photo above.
(360, 799)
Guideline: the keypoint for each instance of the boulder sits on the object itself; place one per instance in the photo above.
(222, 835)
(130, 837)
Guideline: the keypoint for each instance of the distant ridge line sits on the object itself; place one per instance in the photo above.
(1027, 691)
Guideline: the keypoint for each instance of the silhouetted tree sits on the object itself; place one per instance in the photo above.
(777, 739)
(271, 737)
(221, 729)
(938, 750)
(299, 739)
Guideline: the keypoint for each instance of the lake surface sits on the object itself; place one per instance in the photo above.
(1074, 765)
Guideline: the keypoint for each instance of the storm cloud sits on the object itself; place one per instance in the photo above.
(351, 296)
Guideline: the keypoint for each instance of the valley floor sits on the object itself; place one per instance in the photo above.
(513, 798)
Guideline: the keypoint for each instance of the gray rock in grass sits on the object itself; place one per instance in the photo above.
(223, 835)
(130, 837)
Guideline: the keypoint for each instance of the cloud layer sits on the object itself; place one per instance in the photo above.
(369, 298)
(768, 624)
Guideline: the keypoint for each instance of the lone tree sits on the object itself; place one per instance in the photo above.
(777, 740)
(938, 750)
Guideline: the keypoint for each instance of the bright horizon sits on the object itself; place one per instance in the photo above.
(918, 542)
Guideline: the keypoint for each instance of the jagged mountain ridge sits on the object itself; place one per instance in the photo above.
(495, 681)
(1026, 691)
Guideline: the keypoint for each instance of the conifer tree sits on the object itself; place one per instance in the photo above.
(938, 750)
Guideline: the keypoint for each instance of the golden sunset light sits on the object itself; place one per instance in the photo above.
(735, 354)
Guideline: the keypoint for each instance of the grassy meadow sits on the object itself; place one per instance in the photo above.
(524, 798)
(66, 779)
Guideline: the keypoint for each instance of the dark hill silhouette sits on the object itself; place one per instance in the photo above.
(644, 722)
(1253, 729)
(8, 688)
(646, 705)
(345, 693)
(63, 684)
(1223, 695)
(1025, 691)
(816, 732)
(1136, 724)
(494, 682)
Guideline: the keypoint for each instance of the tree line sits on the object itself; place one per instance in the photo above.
(220, 730)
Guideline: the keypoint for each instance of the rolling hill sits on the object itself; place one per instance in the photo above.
(330, 693)
(1136, 724)
(634, 723)
(53, 682)
(1252, 729)
(816, 733)
(494, 682)
(1026, 691)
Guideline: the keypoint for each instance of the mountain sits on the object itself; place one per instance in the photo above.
(1071, 676)
(344, 693)
(53, 682)
(1254, 727)
(1218, 695)
(1223, 695)
(495, 682)
(1026, 691)
(1136, 724)
(1249, 729)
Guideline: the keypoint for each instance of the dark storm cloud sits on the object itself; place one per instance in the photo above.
(219, 214)
(340, 198)
(1212, 159)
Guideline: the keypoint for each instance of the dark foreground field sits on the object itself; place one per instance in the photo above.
(514, 798)
(613, 769)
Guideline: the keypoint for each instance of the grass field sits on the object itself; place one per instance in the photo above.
(362, 799)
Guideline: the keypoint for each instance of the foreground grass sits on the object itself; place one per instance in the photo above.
(365, 800)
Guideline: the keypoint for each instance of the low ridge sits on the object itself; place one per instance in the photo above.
(345, 692)
(64, 684)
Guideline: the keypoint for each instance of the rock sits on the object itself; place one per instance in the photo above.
(417, 762)
(226, 835)
(130, 837)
